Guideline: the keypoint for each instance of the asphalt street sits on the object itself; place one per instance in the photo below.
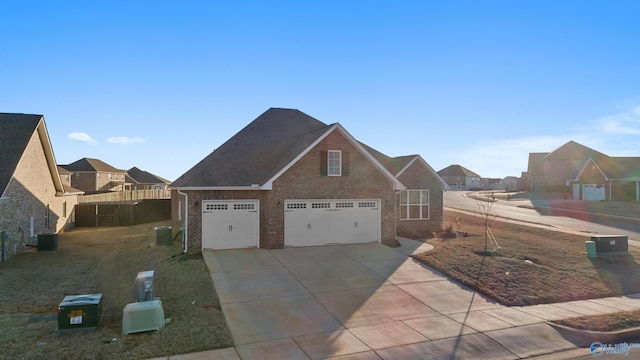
(523, 211)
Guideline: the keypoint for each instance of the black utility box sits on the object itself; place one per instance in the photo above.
(47, 242)
(611, 243)
(80, 311)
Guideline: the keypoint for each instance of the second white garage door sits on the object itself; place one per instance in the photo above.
(230, 224)
(322, 222)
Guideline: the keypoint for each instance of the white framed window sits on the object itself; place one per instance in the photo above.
(334, 163)
(414, 205)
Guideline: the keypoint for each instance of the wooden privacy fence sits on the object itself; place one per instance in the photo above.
(122, 214)
(128, 195)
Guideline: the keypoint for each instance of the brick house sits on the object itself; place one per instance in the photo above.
(287, 179)
(94, 176)
(459, 177)
(144, 180)
(33, 198)
(581, 173)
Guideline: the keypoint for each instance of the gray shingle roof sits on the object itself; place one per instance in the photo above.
(571, 151)
(621, 168)
(88, 164)
(456, 170)
(393, 165)
(145, 177)
(15, 132)
(256, 153)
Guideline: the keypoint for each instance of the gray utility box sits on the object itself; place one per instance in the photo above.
(163, 235)
(80, 311)
(144, 286)
(611, 243)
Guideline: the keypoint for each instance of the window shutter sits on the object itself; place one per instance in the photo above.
(324, 159)
(345, 163)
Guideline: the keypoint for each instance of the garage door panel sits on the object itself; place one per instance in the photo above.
(230, 224)
(593, 192)
(321, 222)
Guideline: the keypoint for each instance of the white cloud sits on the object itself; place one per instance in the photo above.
(80, 136)
(623, 123)
(123, 140)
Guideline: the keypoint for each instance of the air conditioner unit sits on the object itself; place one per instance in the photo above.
(144, 286)
(142, 316)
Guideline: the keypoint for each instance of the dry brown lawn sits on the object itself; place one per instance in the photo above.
(610, 322)
(107, 260)
(532, 266)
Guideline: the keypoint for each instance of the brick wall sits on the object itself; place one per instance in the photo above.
(419, 177)
(29, 194)
(85, 181)
(302, 181)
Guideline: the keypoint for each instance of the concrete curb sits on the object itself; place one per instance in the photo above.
(584, 338)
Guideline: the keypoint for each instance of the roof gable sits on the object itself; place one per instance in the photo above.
(457, 170)
(16, 130)
(263, 150)
(93, 165)
(574, 151)
(337, 127)
(417, 159)
(145, 177)
(594, 168)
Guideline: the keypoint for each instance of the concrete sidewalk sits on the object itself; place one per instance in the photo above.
(370, 301)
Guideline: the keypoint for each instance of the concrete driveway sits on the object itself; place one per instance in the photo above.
(370, 301)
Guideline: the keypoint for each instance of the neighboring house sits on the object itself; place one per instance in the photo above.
(143, 180)
(65, 176)
(460, 178)
(33, 198)
(490, 183)
(581, 173)
(287, 179)
(93, 176)
(511, 183)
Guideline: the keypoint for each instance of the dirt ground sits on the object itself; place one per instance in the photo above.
(107, 261)
(532, 266)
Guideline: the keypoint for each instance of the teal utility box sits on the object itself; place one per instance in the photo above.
(80, 311)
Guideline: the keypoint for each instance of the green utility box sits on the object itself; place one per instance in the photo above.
(80, 311)
(591, 249)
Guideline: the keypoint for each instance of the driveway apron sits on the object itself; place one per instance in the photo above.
(367, 301)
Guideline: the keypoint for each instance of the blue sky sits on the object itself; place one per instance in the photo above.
(159, 85)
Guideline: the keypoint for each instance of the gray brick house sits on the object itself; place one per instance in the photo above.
(33, 198)
(288, 179)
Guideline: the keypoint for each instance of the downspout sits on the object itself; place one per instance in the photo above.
(396, 207)
(185, 228)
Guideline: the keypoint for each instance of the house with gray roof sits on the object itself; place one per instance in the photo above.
(144, 180)
(33, 198)
(287, 179)
(95, 176)
(581, 173)
(459, 177)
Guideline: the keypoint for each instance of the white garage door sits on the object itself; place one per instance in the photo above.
(593, 192)
(230, 224)
(322, 222)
